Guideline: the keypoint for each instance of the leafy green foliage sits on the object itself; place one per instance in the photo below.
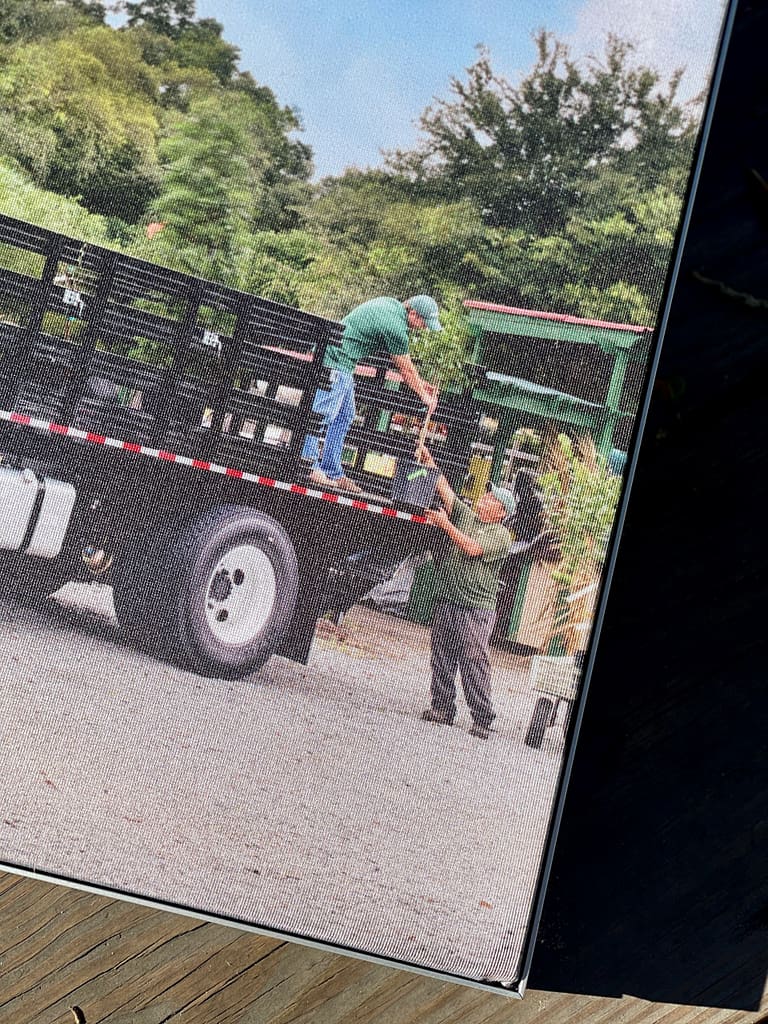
(200, 45)
(274, 264)
(28, 202)
(205, 198)
(524, 154)
(442, 356)
(25, 20)
(581, 497)
(561, 191)
(165, 17)
(78, 114)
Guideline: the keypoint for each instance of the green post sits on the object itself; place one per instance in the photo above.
(382, 424)
(516, 615)
(613, 400)
(504, 436)
(476, 334)
(608, 429)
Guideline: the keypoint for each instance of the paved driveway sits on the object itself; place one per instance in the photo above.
(307, 799)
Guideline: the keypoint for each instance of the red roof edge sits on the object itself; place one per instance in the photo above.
(491, 307)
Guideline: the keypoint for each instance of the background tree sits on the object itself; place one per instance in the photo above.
(165, 17)
(227, 171)
(78, 113)
(204, 200)
(201, 45)
(25, 20)
(31, 203)
(525, 154)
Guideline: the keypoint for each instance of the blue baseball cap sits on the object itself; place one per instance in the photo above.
(427, 309)
(505, 496)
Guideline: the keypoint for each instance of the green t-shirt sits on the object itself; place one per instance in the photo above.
(473, 582)
(379, 325)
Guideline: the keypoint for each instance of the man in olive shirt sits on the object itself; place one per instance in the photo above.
(379, 325)
(465, 612)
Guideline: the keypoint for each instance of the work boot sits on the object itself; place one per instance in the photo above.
(480, 732)
(438, 717)
(345, 484)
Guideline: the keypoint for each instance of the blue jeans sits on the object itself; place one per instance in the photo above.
(338, 409)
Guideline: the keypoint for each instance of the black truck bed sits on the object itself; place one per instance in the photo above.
(138, 358)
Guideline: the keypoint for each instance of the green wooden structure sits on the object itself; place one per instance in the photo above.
(516, 402)
(604, 399)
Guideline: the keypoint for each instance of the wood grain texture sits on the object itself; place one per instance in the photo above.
(659, 884)
(119, 963)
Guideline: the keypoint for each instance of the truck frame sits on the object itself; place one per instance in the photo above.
(151, 430)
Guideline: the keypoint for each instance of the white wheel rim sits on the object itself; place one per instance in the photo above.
(240, 595)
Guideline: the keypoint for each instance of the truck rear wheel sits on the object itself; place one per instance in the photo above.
(218, 596)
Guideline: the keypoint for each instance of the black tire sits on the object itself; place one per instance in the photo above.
(541, 719)
(218, 596)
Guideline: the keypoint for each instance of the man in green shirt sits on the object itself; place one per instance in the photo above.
(379, 325)
(465, 612)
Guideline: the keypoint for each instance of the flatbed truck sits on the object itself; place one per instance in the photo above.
(151, 429)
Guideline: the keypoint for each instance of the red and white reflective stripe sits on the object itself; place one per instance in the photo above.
(208, 467)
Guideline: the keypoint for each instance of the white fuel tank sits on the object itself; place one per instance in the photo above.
(34, 512)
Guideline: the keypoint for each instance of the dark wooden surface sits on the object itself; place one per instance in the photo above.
(658, 894)
(70, 956)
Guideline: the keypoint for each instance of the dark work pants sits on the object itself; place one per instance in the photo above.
(460, 642)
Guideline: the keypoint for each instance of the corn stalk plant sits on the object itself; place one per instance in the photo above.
(581, 496)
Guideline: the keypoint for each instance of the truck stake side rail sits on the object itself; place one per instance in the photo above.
(335, 497)
(212, 559)
(114, 346)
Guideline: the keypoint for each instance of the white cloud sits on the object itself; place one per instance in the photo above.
(668, 34)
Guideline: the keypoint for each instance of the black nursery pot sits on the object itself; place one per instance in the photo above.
(414, 484)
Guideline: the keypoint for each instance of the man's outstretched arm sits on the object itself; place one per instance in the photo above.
(427, 392)
(441, 519)
(444, 489)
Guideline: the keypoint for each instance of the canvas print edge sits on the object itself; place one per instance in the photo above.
(551, 839)
(634, 450)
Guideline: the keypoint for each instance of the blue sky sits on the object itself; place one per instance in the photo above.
(361, 71)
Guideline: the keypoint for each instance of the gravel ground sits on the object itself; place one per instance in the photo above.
(308, 799)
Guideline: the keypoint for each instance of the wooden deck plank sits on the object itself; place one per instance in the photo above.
(121, 963)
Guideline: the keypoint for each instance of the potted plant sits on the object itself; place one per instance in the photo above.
(581, 496)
